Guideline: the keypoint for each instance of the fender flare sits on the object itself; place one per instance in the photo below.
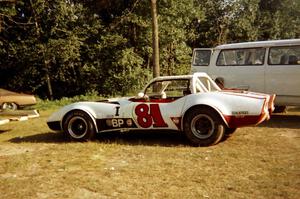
(203, 106)
(92, 116)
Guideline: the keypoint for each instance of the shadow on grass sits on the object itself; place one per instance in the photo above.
(148, 138)
(4, 131)
(282, 121)
(41, 138)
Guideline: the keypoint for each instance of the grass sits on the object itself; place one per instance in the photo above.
(54, 104)
(255, 162)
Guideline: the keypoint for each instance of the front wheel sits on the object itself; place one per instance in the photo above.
(79, 126)
(203, 127)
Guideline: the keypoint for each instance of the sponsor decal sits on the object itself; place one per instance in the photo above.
(115, 123)
(117, 111)
(239, 113)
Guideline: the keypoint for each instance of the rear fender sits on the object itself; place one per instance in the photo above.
(204, 106)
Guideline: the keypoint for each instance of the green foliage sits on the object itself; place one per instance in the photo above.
(246, 20)
(78, 47)
(127, 73)
(174, 19)
(55, 104)
(279, 19)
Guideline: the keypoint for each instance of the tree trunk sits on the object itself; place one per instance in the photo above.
(155, 47)
(48, 80)
(46, 62)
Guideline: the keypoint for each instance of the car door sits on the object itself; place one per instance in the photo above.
(158, 115)
(162, 108)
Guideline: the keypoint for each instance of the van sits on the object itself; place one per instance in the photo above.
(271, 67)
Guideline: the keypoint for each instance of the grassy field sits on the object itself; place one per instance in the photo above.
(255, 162)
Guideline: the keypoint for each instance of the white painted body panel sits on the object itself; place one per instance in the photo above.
(227, 102)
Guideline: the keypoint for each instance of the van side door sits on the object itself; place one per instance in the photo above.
(239, 68)
(283, 74)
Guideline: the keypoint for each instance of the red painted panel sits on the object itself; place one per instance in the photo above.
(238, 121)
(168, 100)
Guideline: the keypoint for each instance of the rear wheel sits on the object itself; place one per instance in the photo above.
(79, 126)
(203, 127)
(229, 131)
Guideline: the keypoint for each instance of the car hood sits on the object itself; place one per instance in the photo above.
(119, 101)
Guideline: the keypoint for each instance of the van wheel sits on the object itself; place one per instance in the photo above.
(203, 127)
(280, 109)
(78, 126)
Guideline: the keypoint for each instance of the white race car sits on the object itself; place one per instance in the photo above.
(193, 104)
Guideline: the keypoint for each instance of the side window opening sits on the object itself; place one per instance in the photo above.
(201, 57)
(169, 89)
(284, 55)
(241, 57)
(178, 88)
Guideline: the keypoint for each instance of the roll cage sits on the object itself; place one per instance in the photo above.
(174, 87)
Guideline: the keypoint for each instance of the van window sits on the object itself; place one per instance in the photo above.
(241, 57)
(289, 55)
(201, 57)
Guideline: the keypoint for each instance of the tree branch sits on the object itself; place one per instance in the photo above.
(124, 16)
(19, 23)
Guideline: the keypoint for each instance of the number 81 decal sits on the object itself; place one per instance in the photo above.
(147, 118)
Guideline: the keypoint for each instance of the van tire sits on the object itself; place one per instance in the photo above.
(280, 109)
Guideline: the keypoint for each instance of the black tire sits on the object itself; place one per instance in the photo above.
(79, 126)
(9, 106)
(229, 131)
(280, 109)
(203, 127)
